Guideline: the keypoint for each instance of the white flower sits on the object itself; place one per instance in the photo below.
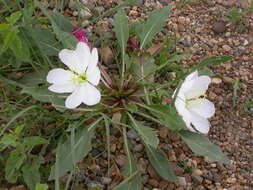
(80, 80)
(192, 105)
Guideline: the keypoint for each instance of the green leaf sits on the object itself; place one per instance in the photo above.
(35, 78)
(201, 145)
(41, 186)
(215, 60)
(9, 140)
(9, 39)
(67, 39)
(148, 135)
(122, 31)
(48, 45)
(153, 25)
(160, 162)
(31, 173)
(132, 180)
(63, 23)
(4, 27)
(14, 17)
(168, 116)
(30, 142)
(74, 152)
(13, 163)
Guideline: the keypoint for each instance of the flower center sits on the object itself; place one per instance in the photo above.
(191, 102)
(81, 78)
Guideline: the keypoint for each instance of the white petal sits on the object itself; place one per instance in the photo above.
(199, 87)
(91, 94)
(192, 76)
(83, 54)
(200, 123)
(59, 76)
(75, 99)
(62, 88)
(202, 107)
(181, 109)
(94, 75)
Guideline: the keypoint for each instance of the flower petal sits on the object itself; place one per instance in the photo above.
(83, 54)
(91, 94)
(62, 88)
(78, 59)
(192, 76)
(94, 75)
(75, 99)
(200, 123)
(199, 87)
(59, 76)
(202, 107)
(181, 109)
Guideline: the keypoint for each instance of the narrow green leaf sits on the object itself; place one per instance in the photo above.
(132, 180)
(9, 39)
(168, 116)
(201, 145)
(5, 27)
(215, 60)
(30, 142)
(122, 33)
(35, 78)
(153, 25)
(41, 186)
(80, 148)
(148, 135)
(160, 162)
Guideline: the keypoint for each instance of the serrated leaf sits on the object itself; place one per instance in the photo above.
(148, 135)
(153, 25)
(13, 163)
(160, 163)
(168, 116)
(201, 145)
(74, 152)
(31, 173)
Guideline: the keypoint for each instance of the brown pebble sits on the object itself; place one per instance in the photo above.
(153, 182)
(219, 27)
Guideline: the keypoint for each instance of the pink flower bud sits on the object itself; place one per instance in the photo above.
(80, 34)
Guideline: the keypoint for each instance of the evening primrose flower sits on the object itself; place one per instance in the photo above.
(80, 80)
(192, 105)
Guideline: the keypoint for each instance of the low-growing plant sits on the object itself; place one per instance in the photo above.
(89, 96)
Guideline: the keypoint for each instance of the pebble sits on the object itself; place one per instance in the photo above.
(182, 181)
(226, 48)
(85, 23)
(197, 172)
(85, 14)
(131, 134)
(219, 27)
(139, 3)
(198, 179)
(99, 10)
(106, 180)
(138, 148)
(121, 159)
(216, 80)
(153, 182)
(145, 178)
(95, 184)
(95, 152)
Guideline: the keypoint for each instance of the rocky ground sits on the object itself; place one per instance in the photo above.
(201, 31)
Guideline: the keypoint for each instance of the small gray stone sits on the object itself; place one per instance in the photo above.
(138, 148)
(131, 134)
(106, 180)
(182, 181)
(95, 184)
(99, 10)
(198, 179)
(187, 44)
(85, 14)
(139, 3)
(167, 147)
